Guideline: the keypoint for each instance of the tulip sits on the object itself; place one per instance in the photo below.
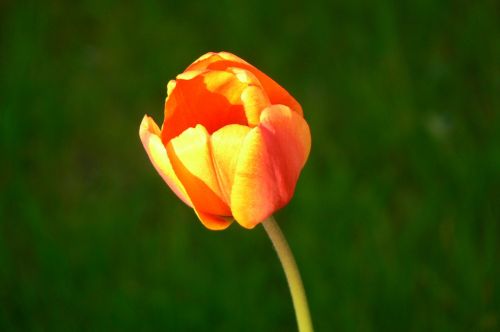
(232, 144)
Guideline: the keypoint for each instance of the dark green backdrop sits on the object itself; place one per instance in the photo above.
(395, 221)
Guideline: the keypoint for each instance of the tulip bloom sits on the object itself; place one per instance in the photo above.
(232, 144)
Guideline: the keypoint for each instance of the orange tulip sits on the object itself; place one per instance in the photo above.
(232, 144)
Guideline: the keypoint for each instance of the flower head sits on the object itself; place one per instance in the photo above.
(232, 144)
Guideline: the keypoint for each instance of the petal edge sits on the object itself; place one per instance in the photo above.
(151, 140)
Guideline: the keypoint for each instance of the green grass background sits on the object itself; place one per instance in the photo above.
(395, 220)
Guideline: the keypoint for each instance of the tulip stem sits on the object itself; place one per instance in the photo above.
(292, 274)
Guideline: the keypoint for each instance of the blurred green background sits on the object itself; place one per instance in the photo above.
(395, 221)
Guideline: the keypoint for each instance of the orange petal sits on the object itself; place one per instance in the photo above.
(226, 146)
(272, 156)
(150, 137)
(253, 96)
(213, 222)
(223, 60)
(170, 86)
(210, 98)
(254, 102)
(206, 59)
(192, 162)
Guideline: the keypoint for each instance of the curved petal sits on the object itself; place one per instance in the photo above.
(206, 59)
(253, 97)
(210, 98)
(254, 102)
(226, 146)
(222, 60)
(272, 156)
(213, 222)
(150, 137)
(254, 196)
(170, 86)
(192, 162)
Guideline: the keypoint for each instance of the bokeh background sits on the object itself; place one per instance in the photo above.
(395, 221)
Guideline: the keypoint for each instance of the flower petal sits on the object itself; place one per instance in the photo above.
(254, 102)
(209, 58)
(226, 146)
(223, 60)
(150, 137)
(272, 156)
(253, 97)
(192, 162)
(213, 222)
(210, 98)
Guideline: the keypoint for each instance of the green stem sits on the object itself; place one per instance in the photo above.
(292, 274)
